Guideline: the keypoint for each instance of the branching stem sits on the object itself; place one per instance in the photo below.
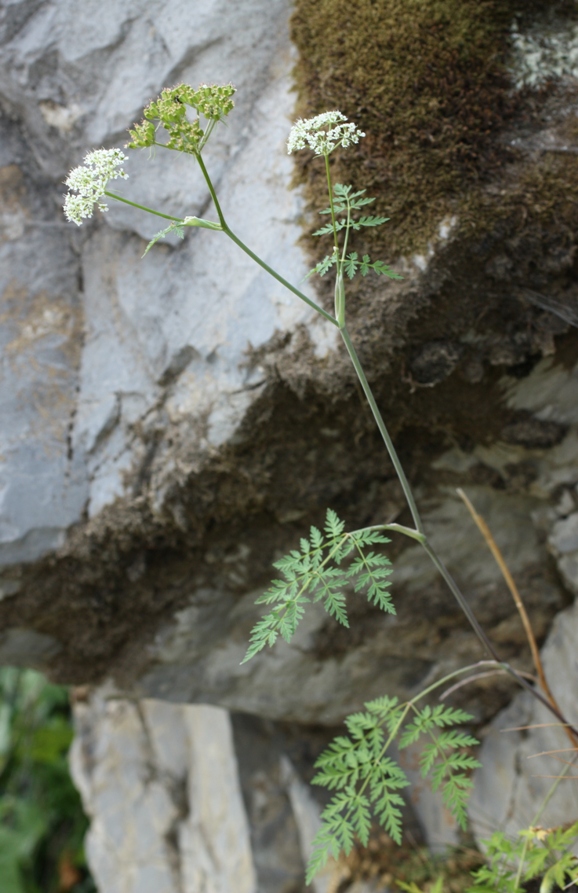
(226, 229)
(418, 533)
(125, 201)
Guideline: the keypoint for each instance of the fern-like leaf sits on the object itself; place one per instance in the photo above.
(370, 570)
(445, 755)
(313, 573)
(323, 266)
(369, 221)
(328, 228)
(176, 228)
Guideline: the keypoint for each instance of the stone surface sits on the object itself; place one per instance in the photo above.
(160, 784)
(191, 799)
(177, 359)
(172, 425)
(175, 423)
(525, 750)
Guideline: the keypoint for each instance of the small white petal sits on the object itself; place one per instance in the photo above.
(90, 181)
(323, 133)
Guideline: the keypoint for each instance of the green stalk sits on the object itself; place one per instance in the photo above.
(330, 188)
(125, 201)
(458, 595)
(383, 430)
(209, 183)
(252, 254)
(226, 229)
(276, 276)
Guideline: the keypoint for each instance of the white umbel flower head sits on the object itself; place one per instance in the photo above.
(323, 133)
(89, 181)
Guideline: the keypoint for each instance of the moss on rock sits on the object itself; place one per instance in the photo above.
(428, 82)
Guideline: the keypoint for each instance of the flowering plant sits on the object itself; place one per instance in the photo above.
(331, 563)
(323, 133)
(89, 181)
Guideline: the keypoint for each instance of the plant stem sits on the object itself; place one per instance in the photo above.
(276, 276)
(487, 643)
(125, 201)
(209, 183)
(382, 429)
(226, 229)
(458, 595)
(330, 189)
(407, 531)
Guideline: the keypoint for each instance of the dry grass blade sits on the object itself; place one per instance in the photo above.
(495, 550)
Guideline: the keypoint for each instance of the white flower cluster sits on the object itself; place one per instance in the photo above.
(548, 51)
(89, 182)
(323, 134)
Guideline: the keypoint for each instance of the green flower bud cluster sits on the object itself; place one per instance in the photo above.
(170, 112)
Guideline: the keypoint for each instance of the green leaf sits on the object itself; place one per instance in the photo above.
(371, 221)
(333, 526)
(370, 571)
(314, 573)
(176, 228)
(351, 264)
(328, 228)
(323, 266)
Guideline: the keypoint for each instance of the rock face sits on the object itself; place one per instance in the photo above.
(524, 751)
(189, 799)
(172, 425)
(161, 786)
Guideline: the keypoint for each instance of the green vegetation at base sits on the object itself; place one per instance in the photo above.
(42, 824)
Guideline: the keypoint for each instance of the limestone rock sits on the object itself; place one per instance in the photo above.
(188, 798)
(524, 749)
(172, 425)
(179, 421)
(160, 784)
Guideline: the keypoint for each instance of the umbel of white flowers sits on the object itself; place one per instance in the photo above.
(323, 133)
(89, 182)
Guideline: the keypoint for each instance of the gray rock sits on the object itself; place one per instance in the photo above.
(160, 784)
(525, 750)
(160, 423)
(563, 543)
(172, 425)
(96, 377)
(43, 485)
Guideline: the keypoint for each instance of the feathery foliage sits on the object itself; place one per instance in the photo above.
(319, 572)
(176, 228)
(344, 202)
(365, 778)
(368, 780)
(538, 852)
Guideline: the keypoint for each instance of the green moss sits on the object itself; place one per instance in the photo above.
(426, 80)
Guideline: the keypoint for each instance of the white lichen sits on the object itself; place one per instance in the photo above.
(546, 51)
